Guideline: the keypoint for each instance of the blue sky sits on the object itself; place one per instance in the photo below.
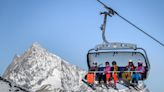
(69, 28)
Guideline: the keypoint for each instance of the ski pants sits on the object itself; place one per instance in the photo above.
(136, 76)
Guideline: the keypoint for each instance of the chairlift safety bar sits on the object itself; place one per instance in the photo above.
(114, 71)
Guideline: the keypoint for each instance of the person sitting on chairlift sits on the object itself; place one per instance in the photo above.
(115, 74)
(140, 70)
(91, 75)
(130, 67)
(107, 73)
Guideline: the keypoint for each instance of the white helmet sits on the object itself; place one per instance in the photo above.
(130, 60)
(140, 62)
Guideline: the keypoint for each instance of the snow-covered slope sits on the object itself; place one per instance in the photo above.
(41, 71)
(7, 86)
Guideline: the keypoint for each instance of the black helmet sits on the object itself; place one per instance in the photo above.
(106, 63)
(114, 63)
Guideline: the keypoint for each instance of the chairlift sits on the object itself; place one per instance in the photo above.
(116, 51)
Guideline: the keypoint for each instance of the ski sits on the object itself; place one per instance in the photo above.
(111, 85)
(127, 83)
(91, 86)
(124, 84)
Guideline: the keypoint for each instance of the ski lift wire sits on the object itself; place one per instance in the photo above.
(153, 38)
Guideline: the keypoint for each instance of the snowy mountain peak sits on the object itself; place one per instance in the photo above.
(36, 46)
(35, 49)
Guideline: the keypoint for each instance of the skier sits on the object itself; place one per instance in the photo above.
(91, 75)
(107, 73)
(130, 67)
(115, 74)
(140, 70)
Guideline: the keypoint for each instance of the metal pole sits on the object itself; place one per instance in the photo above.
(104, 27)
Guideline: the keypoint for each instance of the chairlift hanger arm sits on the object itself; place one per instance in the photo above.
(113, 12)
